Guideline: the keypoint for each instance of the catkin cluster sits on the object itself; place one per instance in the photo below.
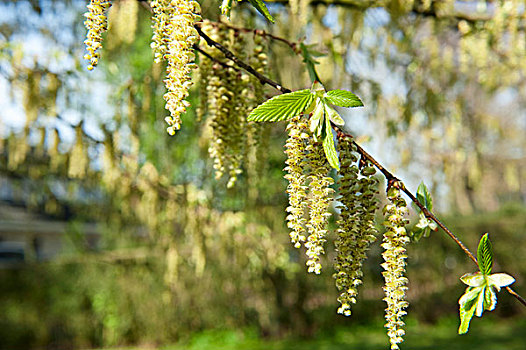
(173, 40)
(356, 228)
(394, 241)
(97, 23)
(319, 201)
(295, 149)
(228, 96)
(309, 190)
(78, 161)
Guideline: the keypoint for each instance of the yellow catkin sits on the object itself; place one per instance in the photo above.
(123, 21)
(295, 149)
(97, 23)
(356, 228)
(173, 40)
(78, 157)
(319, 201)
(394, 241)
(229, 97)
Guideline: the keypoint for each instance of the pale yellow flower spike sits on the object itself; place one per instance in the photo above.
(297, 189)
(395, 239)
(319, 202)
(356, 228)
(97, 23)
(173, 40)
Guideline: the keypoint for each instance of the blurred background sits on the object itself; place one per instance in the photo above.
(113, 233)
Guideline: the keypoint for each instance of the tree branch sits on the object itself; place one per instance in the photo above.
(293, 45)
(230, 55)
(389, 176)
(213, 59)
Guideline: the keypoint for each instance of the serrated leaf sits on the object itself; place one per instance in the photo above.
(424, 197)
(485, 255)
(262, 8)
(473, 279)
(343, 98)
(333, 115)
(282, 107)
(500, 280)
(328, 147)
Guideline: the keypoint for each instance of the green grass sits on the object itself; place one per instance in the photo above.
(484, 334)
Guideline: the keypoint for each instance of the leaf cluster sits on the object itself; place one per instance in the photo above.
(481, 293)
(316, 102)
(424, 226)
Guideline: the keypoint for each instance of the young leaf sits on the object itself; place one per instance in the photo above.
(424, 197)
(309, 59)
(282, 107)
(262, 8)
(333, 115)
(467, 308)
(328, 146)
(490, 299)
(469, 295)
(343, 98)
(316, 119)
(466, 314)
(485, 255)
(499, 280)
(473, 279)
(424, 225)
(480, 302)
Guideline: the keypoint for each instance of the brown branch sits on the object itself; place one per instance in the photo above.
(389, 176)
(213, 59)
(230, 55)
(293, 45)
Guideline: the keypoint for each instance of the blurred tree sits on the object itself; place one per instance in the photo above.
(446, 79)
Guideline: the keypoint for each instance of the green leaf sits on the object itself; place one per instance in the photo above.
(421, 228)
(485, 255)
(316, 120)
(333, 115)
(473, 279)
(343, 98)
(328, 146)
(490, 299)
(424, 197)
(282, 107)
(309, 55)
(467, 308)
(262, 8)
(469, 295)
(499, 280)
(480, 302)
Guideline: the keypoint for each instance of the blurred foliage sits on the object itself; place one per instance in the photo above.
(179, 252)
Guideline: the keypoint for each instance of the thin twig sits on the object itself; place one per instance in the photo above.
(230, 55)
(293, 45)
(390, 177)
(213, 59)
